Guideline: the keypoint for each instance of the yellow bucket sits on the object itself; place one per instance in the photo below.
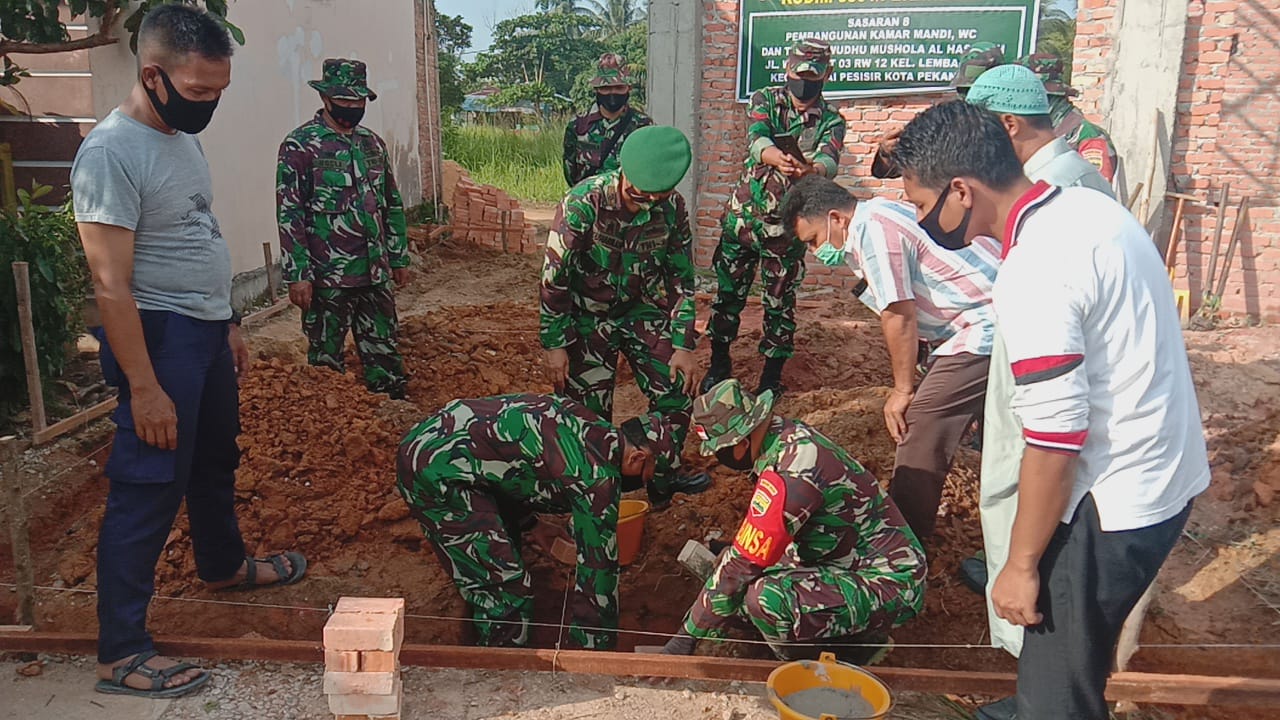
(795, 677)
(630, 529)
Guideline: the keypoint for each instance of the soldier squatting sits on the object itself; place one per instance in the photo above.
(824, 557)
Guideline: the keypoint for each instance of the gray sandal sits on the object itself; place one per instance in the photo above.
(250, 581)
(138, 666)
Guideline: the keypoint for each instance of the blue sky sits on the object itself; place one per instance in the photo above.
(484, 14)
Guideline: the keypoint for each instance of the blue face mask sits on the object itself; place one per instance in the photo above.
(828, 254)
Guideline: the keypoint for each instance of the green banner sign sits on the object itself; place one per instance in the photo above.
(879, 47)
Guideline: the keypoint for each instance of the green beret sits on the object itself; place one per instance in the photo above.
(654, 159)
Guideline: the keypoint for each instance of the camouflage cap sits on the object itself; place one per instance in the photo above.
(810, 55)
(726, 414)
(611, 70)
(1050, 69)
(344, 79)
(662, 442)
(980, 58)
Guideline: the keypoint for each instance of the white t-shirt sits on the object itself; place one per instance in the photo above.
(1087, 313)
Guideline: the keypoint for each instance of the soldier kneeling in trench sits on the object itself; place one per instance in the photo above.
(474, 473)
(823, 558)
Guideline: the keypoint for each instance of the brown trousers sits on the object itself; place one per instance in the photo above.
(946, 402)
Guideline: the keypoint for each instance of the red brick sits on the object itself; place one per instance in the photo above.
(360, 683)
(368, 705)
(372, 606)
(356, 631)
(339, 661)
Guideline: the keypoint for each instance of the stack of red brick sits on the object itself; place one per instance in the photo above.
(489, 217)
(362, 658)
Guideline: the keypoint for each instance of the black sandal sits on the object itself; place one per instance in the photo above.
(250, 581)
(138, 665)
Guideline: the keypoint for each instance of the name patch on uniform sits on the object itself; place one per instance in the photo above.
(763, 537)
(328, 164)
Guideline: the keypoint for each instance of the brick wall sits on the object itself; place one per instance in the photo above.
(1227, 129)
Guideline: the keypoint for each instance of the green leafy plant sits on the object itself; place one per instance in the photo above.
(45, 237)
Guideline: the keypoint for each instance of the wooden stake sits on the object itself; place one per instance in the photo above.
(8, 188)
(505, 215)
(1223, 196)
(10, 452)
(1135, 197)
(1151, 171)
(271, 276)
(22, 281)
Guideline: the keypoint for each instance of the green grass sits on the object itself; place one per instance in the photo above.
(525, 163)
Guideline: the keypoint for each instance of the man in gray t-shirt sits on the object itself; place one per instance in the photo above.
(162, 275)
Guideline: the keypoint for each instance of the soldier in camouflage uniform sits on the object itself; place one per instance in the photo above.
(342, 231)
(1086, 138)
(618, 277)
(751, 232)
(823, 554)
(979, 58)
(592, 141)
(472, 474)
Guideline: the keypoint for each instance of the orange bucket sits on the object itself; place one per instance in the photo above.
(630, 529)
(825, 673)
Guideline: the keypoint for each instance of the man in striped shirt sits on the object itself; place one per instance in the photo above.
(920, 291)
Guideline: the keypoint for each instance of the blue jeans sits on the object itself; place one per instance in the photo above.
(193, 363)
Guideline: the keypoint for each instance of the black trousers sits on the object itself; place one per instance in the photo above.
(193, 363)
(1089, 581)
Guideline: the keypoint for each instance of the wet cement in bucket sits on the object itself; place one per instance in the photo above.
(816, 702)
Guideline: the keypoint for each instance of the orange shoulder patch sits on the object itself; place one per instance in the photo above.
(763, 537)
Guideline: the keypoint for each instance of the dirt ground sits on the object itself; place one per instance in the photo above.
(317, 475)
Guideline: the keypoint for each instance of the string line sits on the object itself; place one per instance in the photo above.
(561, 626)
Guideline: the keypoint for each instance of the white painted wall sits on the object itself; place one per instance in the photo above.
(286, 42)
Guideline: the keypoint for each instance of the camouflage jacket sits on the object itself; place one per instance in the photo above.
(813, 507)
(551, 455)
(1085, 137)
(603, 261)
(584, 140)
(340, 215)
(820, 133)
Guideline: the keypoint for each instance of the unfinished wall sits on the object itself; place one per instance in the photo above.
(1224, 128)
(287, 40)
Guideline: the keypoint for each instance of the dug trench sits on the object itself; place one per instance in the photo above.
(317, 476)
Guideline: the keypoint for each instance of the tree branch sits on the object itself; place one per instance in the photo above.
(98, 39)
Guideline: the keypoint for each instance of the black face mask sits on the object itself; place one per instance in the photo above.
(950, 239)
(726, 458)
(632, 482)
(612, 103)
(346, 117)
(181, 114)
(804, 90)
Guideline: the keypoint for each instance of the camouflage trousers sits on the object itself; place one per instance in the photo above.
(646, 344)
(476, 536)
(744, 246)
(792, 604)
(370, 314)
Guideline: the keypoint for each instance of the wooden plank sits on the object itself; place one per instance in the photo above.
(80, 419)
(266, 313)
(1125, 686)
(22, 282)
